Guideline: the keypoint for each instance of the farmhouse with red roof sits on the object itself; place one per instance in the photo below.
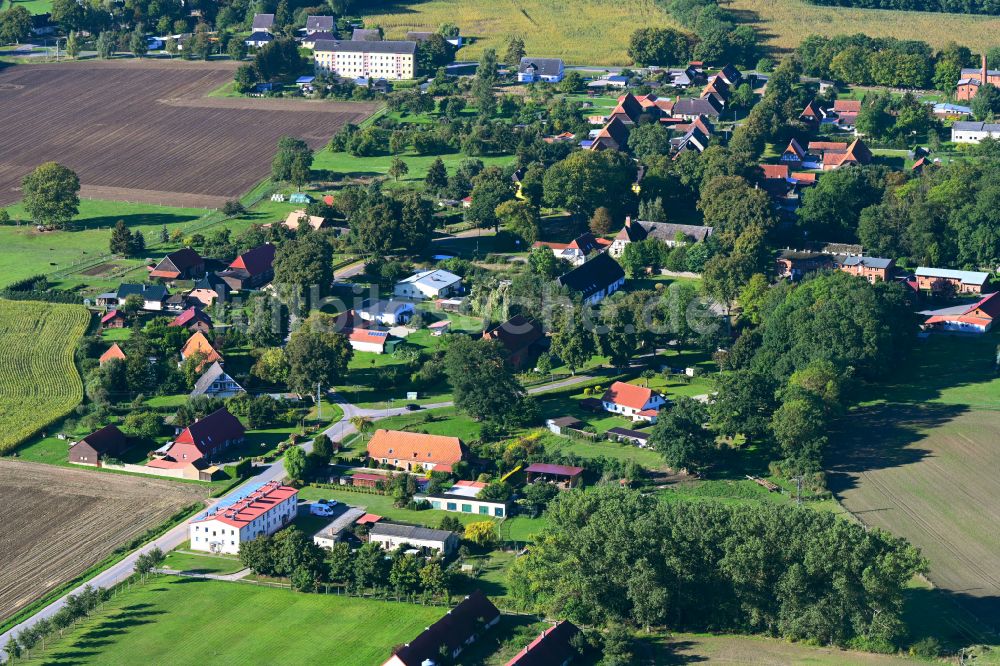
(408, 450)
(636, 402)
(205, 438)
(262, 509)
(251, 269)
(975, 318)
(113, 319)
(193, 320)
(114, 352)
(182, 264)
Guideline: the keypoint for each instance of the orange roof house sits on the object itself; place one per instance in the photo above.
(184, 263)
(975, 318)
(775, 171)
(114, 352)
(407, 450)
(199, 343)
(637, 402)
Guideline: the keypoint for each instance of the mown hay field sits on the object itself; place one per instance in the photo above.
(783, 24)
(39, 382)
(582, 32)
(189, 621)
(596, 32)
(59, 522)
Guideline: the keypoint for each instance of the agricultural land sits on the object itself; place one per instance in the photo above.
(930, 474)
(58, 522)
(198, 153)
(39, 382)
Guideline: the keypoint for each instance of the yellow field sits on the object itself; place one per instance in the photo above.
(785, 22)
(596, 32)
(39, 382)
(582, 32)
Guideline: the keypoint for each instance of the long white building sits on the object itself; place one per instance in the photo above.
(967, 131)
(260, 509)
(354, 59)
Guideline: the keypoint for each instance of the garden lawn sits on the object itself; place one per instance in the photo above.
(184, 560)
(190, 621)
(355, 167)
(29, 252)
(34, 6)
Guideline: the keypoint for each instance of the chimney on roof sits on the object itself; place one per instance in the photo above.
(983, 80)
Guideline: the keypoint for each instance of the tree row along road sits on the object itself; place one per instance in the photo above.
(178, 534)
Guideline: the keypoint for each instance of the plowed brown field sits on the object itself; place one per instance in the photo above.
(144, 131)
(58, 522)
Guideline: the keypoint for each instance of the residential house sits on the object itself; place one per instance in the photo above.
(113, 352)
(193, 319)
(387, 313)
(433, 283)
(657, 107)
(108, 442)
(846, 111)
(873, 269)
(613, 136)
(975, 318)
(463, 497)
(258, 39)
(577, 250)
(316, 24)
(669, 234)
(558, 425)
(701, 106)
(309, 42)
(367, 340)
(596, 279)
(260, 510)
(262, 22)
(412, 450)
(942, 279)
(693, 139)
(730, 75)
(113, 319)
(338, 528)
(366, 35)
(563, 476)
(518, 336)
(628, 110)
(206, 291)
(459, 628)
(183, 264)
(812, 115)
(199, 343)
(251, 269)
(153, 296)
(391, 536)
(297, 217)
(967, 131)
(370, 59)
(856, 154)
(794, 155)
(533, 70)
(555, 646)
(206, 438)
(636, 402)
(215, 383)
(718, 89)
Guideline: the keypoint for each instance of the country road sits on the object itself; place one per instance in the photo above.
(174, 537)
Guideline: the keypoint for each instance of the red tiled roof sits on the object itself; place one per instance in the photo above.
(774, 171)
(552, 646)
(190, 316)
(471, 484)
(368, 335)
(114, 351)
(111, 315)
(365, 476)
(804, 177)
(368, 519)
(416, 447)
(556, 470)
(847, 105)
(628, 395)
(199, 343)
(252, 506)
(211, 432)
(827, 145)
(516, 334)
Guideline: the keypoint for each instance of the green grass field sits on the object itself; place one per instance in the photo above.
(39, 382)
(356, 167)
(33, 6)
(185, 560)
(188, 621)
(29, 252)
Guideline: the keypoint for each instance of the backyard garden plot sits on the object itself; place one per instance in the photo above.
(59, 522)
(39, 382)
(144, 131)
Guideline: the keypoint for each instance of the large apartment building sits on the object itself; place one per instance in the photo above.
(258, 510)
(356, 58)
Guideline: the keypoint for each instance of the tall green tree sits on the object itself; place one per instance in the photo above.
(482, 382)
(681, 435)
(316, 355)
(51, 194)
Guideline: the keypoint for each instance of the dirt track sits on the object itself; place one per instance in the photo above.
(58, 521)
(145, 132)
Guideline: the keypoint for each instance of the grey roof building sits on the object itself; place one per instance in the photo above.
(337, 528)
(361, 46)
(319, 24)
(215, 382)
(692, 108)
(596, 279)
(262, 22)
(365, 35)
(392, 535)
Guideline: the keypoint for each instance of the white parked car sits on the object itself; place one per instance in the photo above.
(320, 510)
